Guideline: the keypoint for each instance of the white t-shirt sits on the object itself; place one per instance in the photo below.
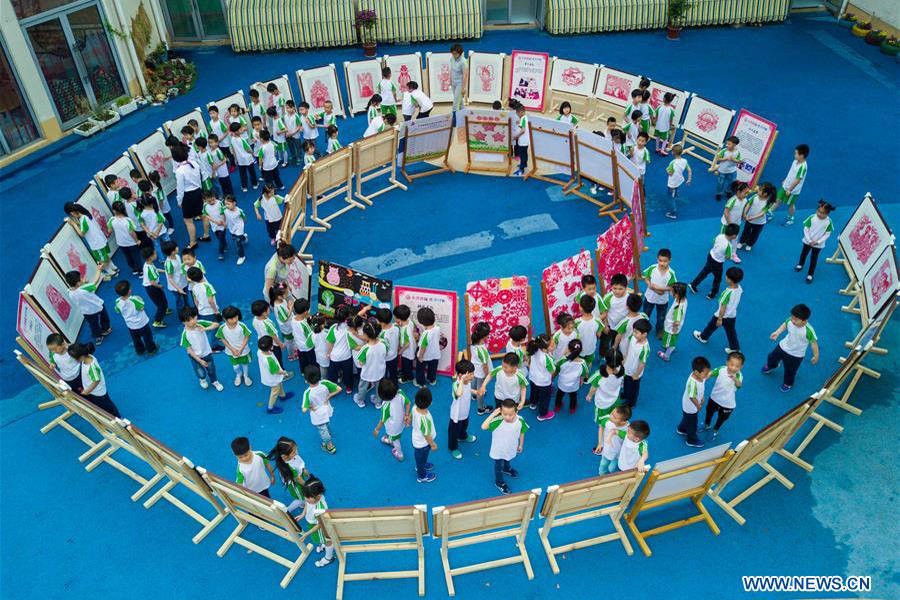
(386, 90)
(607, 387)
(202, 293)
(215, 210)
(406, 107)
(561, 341)
(372, 359)
(676, 314)
(521, 124)
(424, 102)
(283, 317)
(85, 298)
(599, 303)
(132, 310)
(637, 355)
(571, 372)
(235, 336)
(730, 298)
(625, 328)
(67, 367)
(505, 437)
(724, 389)
(631, 452)
(481, 357)
(391, 336)
(616, 308)
(816, 231)
(271, 207)
(693, 388)
(269, 368)
(149, 274)
(508, 386)
(797, 339)
(756, 205)
(321, 348)
(519, 351)
(676, 170)
(422, 425)
(735, 208)
(266, 154)
(587, 332)
(460, 400)
(253, 475)
(339, 338)
(314, 401)
(612, 446)
(430, 339)
(303, 334)
(376, 125)
(175, 271)
(122, 228)
(721, 248)
(196, 339)
(92, 233)
(408, 339)
(542, 368)
(728, 166)
(235, 219)
(393, 412)
(798, 170)
(664, 116)
(659, 278)
(91, 373)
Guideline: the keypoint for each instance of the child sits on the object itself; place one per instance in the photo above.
(126, 238)
(758, 206)
(792, 349)
(541, 375)
(207, 181)
(293, 131)
(422, 104)
(640, 155)
(633, 453)
(317, 402)
(522, 138)
(816, 229)
(373, 108)
(218, 128)
(635, 361)
(572, 370)
(565, 333)
(153, 287)
(423, 434)
(394, 416)
(334, 144)
(319, 323)
(256, 108)
(314, 498)
(665, 119)
(111, 183)
(83, 294)
(565, 114)
(460, 401)
(372, 358)
(589, 329)
(735, 209)
(219, 165)
(270, 203)
(292, 469)
(407, 342)
(189, 259)
(279, 135)
(692, 400)
(623, 331)
(195, 341)
(674, 320)
(236, 115)
(254, 470)
(85, 226)
(308, 123)
(236, 337)
(152, 223)
(302, 334)
(631, 130)
(507, 440)
(132, 310)
(589, 288)
(162, 200)
(309, 153)
(214, 218)
(517, 342)
(429, 352)
(391, 337)
(659, 279)
(510, 382)
(268, 160)
(647, 113)
(235, 219)
(676, 171)
(263, 326)
(327, 115)
(275, 99)
(481, 360)
(339, 355)
(793, 184)
(243, 156)
(728, 380)
(608, 441)
(606, 386)
(67, 368)
(726, 315)
(93, 383)
(204, 295)
(270, 372)
(635, 106)
(388, 92)
(380, 124)
(726, 163)
(283, 316)
(176, 280)
(720, 251)
(614, 305)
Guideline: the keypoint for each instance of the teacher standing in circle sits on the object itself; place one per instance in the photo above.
(459, 75)
(188, 191)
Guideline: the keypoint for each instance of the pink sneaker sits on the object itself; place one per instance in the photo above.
(397, 454)
(662, 355)
(547, 417)
(385, 440)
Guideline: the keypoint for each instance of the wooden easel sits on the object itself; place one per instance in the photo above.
(582, 106)
(331, 177)
(594, 498)
(756, 451)
(444, 166)
(566, 165)
(377, 530)
(610, 209)
(695, 494)
(506, 154)
(295, 220)
(482, 521)
(250, 508)
(373, 157)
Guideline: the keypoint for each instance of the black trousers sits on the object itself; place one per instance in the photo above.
(457, 430)
(606, 341)
(273, 178)
(730, 331)
(306, 358)
(98, 322)
(661, 310)
(406, 368)
(392, 368)
(158, 296)
(133, 257)
(573, 399)
(246, 170)
(225, 183)
(791, 363)
(715, 268)
(630, 390)
(540, 395)
(272, 228)
(143, 339)
(103, 402)
(750, 233)
(522, 155)
(426, 368)
(344, 368)
(713, 408)
(813, 254)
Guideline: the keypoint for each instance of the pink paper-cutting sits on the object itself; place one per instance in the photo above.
(882, 282)
(617, 87)
(502, 302)
(637, 214)
(615, 251)
(864, 239)
(562, 281)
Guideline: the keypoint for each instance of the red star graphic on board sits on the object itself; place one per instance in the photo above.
(480, 136)
(499, 137)
(489, 127)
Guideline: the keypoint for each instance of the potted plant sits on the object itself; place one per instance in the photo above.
(676, 12)
(365, 29)
(848, 20)
(875, 37)
(125, 105)
(890, 46)
(87, 129)
(105, 117)
(861, 28)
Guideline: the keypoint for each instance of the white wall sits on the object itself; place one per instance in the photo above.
(886, 10)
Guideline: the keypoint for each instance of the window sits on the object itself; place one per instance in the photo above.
(17, 128)
(29, 8)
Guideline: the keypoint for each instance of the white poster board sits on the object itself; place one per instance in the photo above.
(121, 168)
(362, 77)
(445, 305)
(547, 146)
(658, 91)
(593, 155)
(153, 155)
(284, 89)
(485, 77)
(405, 68)
(672, 486)
(757, 135)
(573, 77)
(430, 137)
(707, 120)
(627, 173)
(438, 65)
(92, 199)
(881, 283)
(51, 294)
(223, 103)
(175, 126)
(864, 237)
(528, 78)
(320, 85)
(615, 86)
(299, 279)
(70, 253)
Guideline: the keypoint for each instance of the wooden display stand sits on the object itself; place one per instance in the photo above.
(756, 451)
(693, 145)
(699, 484)
(597, 497)
(582, 106)
(504, 165)
(373, 157)
(377, 530)
(485, 521)
(443, 167)
(610, 209)
(536, 157)
(295, 219)
(331, 177)
(250, 508)
(833, 383)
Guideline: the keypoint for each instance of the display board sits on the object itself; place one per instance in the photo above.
(50, 293)
(503, 302)
(342, 285)
(573, 77)
(880, 283)
(92, 199)
(299, 280)
(691, 479)
(560, 282)
(223, 104)
(33, 328)
(485, 77)
(528, 78)
(121, 168)
(615, 86)
(445, 305)
(637, 217)
(362, 79)
(69, 252)
(593, 154)
(284, 89)
(319, 85)
(405, 68)
(488, 137)
(757, 137)
(438, 65)
(615, 251)
(864, 237)
(707, 120)
(428, 138)
(658, 91)
(551, 145)
(175, 126)
(152, 154)
(626, 174)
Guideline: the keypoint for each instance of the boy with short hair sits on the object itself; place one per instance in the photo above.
(792, 184)
(407, 348)
(264, 326)
(675, 171)
(631, 130)
(395, 416)
(204, 294)
(633, 453)
(635, 361)
(423, 434)
(659, 279)
(256, 107)
(83, 294)
(517, 343)
(153, 287)
(421, 104)
(391, 336)
(254, 470)
(665, 120)
(388, 92)
(132, 310)
(510, 382)
(792, 349)
(236, 338)
(522, 138)
(623, 331)
(507, 440)
(195, 340)
(635, 106)
(589, 288)
(692, 400)
(235, 220)
(608, 441)
(268, 160)
(68, 368)
(218, 163)
(317, 402)
(293, 132)
(726, 315)
(640, 154)
(728, 380)
(725, 163)
(243, 155)
(460, 403)
(614, 305)
(720, 251)
(303, 334)
(308, 123)
(271, 374)
(429, 348)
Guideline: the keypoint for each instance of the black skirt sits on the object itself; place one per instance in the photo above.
(192, 204)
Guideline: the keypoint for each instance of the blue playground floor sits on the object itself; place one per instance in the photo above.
(71, 534)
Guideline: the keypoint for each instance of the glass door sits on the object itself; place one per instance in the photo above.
(54, 55)
(510, 12)
(196, 20)
(496, 11)
(93, 51)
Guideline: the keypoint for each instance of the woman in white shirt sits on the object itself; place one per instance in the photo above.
(188, 190)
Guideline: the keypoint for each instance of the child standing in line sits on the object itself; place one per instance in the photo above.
(308, 123)
(319, 325)
(162, 200)
(126, 237)
(218, 163)
(565, 114)
(633, 453)
(429, 352)
(665, 117)
(675, 171)
(334, 144)
(522, 138)
(635, 361)
(792, 349)
(793, 184)
(423, 434)
(83, 294)
(725, 164)
(214, 219)
(153, 287)
(635, 106)
(631, 130)
(407, 106)
(236, 337)
(647, 114)
(735, 209)
(758, 206)
(615, 307)
(268, 160)
(373, 108)
(275, 100)
(692, 400)
(235, 219)
(270, 373)
(518, 340)
(720, 251)
(507, 440)
(263, 326)
(606, 385)
(510, 382)
(726, 315)
(572, 371)
(255, 108)
(373, 364)
(302, 334)
(589, 288)
(283, 318)
(203, 293)
(339, 354)
(394, 416)
(388, 92)
(541, 375)
(816, 230)
(608, 441)
(279, 135)
(623, 331)
(659, 279)
(674, 320)
(254, 471)
(481, 360)
(243, 155)
(460, 402)
(93, 382)
(391, 336)
(293, 132)
(85, 226)
(132, 310)
(271, 204)
(315, 505)
(195, 341)
(407, 342)
(66, 367)
(292, 469)
(207, 177)
(317, 402)
(589, 329)
(640, 155)
(218, 128)
(728, 380)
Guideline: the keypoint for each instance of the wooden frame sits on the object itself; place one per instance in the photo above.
(28, 310)
(694, 493)
(481, 521)
(548, 318)
(120, 167)
(331, 177)
(582, 104)
(569, 138)
(373, 157)
(173, 126)
(45, 279)
(250, 508)
(339, 105)
(66, 236)
(296, 219)
(756, 451)
(166, 167)
(603, 107)
(692, 141)
(506, 155)
(444, 124)
(597, 497)
(610, 209)
(377, 530)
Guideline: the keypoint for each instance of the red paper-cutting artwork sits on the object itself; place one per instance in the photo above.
(562, 281)
(637, 214)
(617, 87)
(318, 93)
(444, 77)
(615, 251)
(707, 121)
(864, 239)
(365, 85)
(502, 302)
(882, 281)
(487, 76)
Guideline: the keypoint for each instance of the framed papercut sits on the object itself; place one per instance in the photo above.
(362, 79)
(658, 91)
(707, 120)
(320, 85)
(175, 126)
(485, 77)
(121, 167)
(69, 253)
(92, 199)
(573, 77)
(33, 327)
(405, 68)
(223, 103)
(615, 86)
(284, 88)
(445, 305)
(152, 154)
(880, 283)
(50, 293)
(864, 237)
(438, 65)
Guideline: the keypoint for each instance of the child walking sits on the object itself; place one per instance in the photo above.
(522, 138)
(635, 361)
(395, 416)
(507, 441)
(676, 178)
(153, 286)
(541, 375)
(572, 370)
(236, 337)
(725, 164)
(195, 341)
(817, 228)
(292, 470)
(235, 219)
(460, 402)
(271, 374)
(606, 385)
(314, 498)
(423, 434)
(792, 349)
(793, 184)
(270, 203)
(317, 402)
(132, 310)
(721, 250)
(481, 360)
(726, 315)
(756, 211)
(674, 320)
(728, 380)
(692, 400)
(659, 279)
(735, 209)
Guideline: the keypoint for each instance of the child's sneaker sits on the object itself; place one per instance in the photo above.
(378, 405)
(329, 447)
(671, 215)
(809, 278)
(692, 288)
(397, 454)
(697, 444)
(766, 370)
(710, 296)
(680, 432)
(748, 248)
(550, 414)
(798, 268)
(594, 190)
(504, 489)
(456, 454)
(714, 434)
(159, 324)
(241, 260)
(217, 386)
(256, 186)
(662, 355)
(429, 466)
(769, 217)
(221, 257)
(788, 222)
(98, 341)
(483, 411)
(469, 440)
(237, 380)
(739, 246)
(169, 311)
(243, 189)
(429, 477)
(385, 440)
(359, 403)
(785, 387)
(699, 337)
(204, 384)
(512, 473)
(736, 259)
(247, 381)
(702, 427)
(324, 562)
(286, 397)
(275, 410)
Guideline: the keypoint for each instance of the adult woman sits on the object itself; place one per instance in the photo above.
(459, 75)
(276, 270)
(188, 190)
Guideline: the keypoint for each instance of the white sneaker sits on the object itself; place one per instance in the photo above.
(241, 260)
(735, 258)
(594, 190)
(247, 381)
(739, 246)
(218, 386)
(204, 384)
(699, 338)
(237, 380)
(170, 230)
